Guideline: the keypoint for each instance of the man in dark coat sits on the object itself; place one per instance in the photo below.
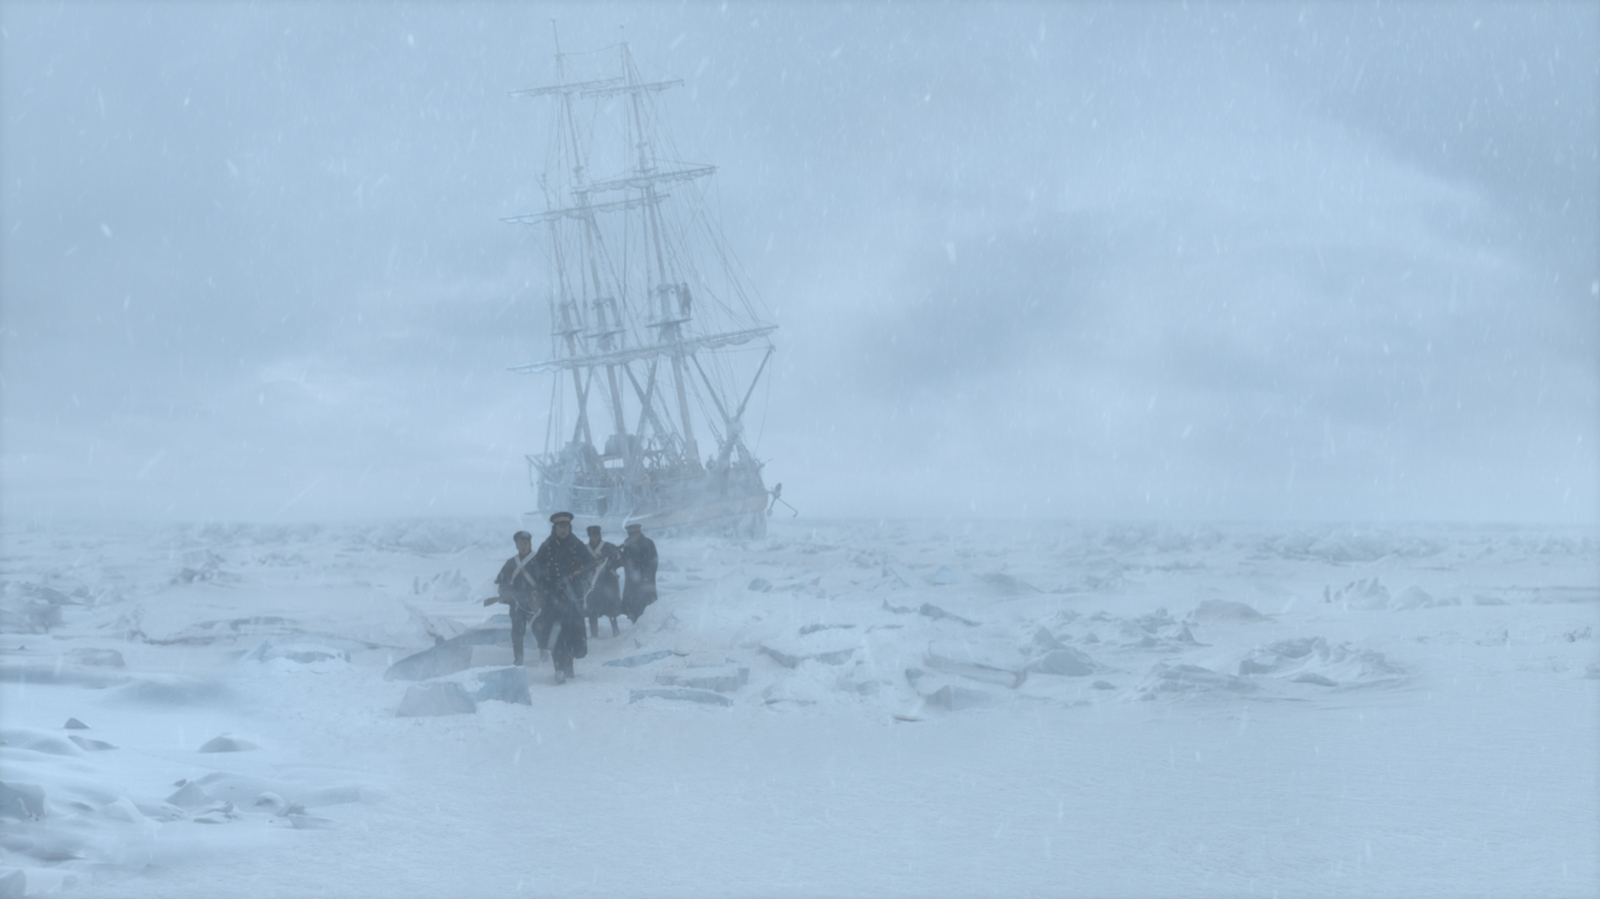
(639, 566)
(605, 595)
(562, 566)
(518, 587)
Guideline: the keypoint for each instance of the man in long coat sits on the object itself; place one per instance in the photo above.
(605, 594)
(639, 566)
(562, 566)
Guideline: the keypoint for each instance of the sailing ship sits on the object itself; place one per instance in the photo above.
(657, 345)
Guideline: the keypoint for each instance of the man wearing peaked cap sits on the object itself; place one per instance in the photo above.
(639, 566)
(562, 565)
(518, 588)
(605, 595)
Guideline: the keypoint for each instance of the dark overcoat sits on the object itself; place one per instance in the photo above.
(518, 584)
(563, 566)
(639, 566)
(605, 597)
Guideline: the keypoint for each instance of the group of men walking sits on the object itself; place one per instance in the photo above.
(566, 581)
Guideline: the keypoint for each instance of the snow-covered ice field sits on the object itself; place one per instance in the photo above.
(839, 709)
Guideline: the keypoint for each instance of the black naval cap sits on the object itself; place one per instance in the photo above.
(561, 517)
(522, 535)
(634, 527)
(594, 529)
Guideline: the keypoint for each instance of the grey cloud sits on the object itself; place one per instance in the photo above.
(1226, 260)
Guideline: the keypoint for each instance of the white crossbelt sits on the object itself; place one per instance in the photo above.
(522, 571)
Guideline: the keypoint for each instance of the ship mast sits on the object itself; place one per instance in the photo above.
(671, 329)
(604, 320)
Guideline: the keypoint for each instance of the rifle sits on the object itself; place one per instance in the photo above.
(573, 576)
(596, 579)
(520, 573)
(593, 563)
(494, 599)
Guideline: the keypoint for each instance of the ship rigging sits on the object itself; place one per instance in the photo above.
(656, 338)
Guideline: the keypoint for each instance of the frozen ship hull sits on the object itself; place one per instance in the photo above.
(732, 503)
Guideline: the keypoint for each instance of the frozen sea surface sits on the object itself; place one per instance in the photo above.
(840, 709)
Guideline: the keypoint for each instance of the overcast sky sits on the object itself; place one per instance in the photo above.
(1330, 261)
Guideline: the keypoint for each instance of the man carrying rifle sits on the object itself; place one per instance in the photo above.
(518, 585)
(562, 567)
(605, 594)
